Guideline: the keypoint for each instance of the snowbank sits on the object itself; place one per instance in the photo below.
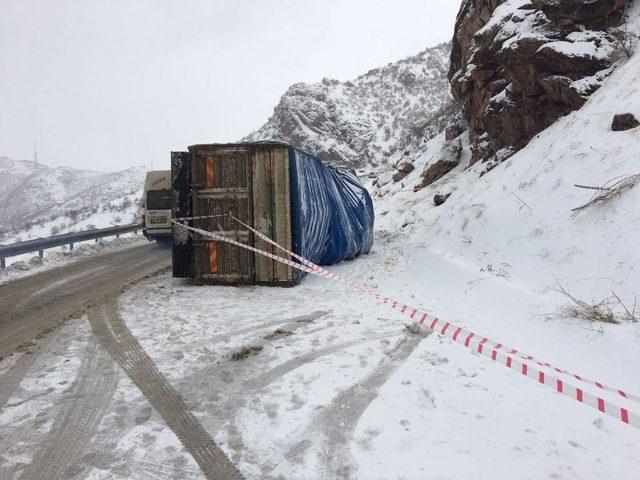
(30, 263)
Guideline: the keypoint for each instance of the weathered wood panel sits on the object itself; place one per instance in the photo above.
(221, 182)
(271, 210)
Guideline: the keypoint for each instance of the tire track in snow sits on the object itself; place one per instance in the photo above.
(291, 324)
(236, 398)
(112, 332)
(263, 380)
(10, 380)
(338, 421)
(28, 355)
(80, 412)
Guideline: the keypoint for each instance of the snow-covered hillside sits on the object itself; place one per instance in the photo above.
(37, 200)
(344, 391)
(368, 122)
(518, 217)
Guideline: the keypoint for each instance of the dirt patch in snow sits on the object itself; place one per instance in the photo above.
(245, 352)
(278, 334)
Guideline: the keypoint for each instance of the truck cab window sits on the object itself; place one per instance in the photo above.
(159, 199)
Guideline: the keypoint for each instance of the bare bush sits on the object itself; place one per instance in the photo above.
(73, 215)
(606, 192)
(597, 312)
(126, 203)
(629, 315)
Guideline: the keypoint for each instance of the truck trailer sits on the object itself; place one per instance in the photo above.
(322, 213)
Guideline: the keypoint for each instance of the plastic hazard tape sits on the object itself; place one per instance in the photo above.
(476, 343)
(202, 217)
(413, 314)
(230, 241)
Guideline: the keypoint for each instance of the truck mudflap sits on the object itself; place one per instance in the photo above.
(181, 242)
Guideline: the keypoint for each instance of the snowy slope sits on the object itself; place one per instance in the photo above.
(520, 212)
(368, 122)
(340, 390)
(37, 200)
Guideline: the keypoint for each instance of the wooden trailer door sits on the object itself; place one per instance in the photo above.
(272, 211)
(221, 183)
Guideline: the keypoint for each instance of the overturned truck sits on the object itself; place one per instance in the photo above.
(319, 212)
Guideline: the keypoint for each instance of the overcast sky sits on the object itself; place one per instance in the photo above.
(104, 85)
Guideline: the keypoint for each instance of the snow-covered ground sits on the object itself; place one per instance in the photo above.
(122, 211)
(344, 391)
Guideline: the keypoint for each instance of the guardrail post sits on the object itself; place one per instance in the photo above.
(71, 246)
(41, 253)
(2, 263)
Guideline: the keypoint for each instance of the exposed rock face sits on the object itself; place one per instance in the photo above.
(403, 169)
(457, 125)
(398, 176)
(371, 122)
(406, 167)
(449, 158)
(440, 198)
(624, 121)
(518, 65)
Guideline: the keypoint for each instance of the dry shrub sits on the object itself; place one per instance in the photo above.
(597, 312)
(606, 192)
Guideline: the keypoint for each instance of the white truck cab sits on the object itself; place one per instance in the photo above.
(156, 202)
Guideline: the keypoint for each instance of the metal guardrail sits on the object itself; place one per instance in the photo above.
(40, 244)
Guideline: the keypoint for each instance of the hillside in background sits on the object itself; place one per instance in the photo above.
(370, 122)
(38, 200)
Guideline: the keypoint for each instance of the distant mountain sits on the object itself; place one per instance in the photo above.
(38, 200)
(367, 123)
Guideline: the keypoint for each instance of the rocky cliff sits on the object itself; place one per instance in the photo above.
(519, 65)
(370, 122)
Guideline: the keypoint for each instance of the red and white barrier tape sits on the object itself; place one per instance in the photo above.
(474, 342)
(202, 217)
(490, 344)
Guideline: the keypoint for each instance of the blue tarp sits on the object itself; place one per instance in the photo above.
(331, 211)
